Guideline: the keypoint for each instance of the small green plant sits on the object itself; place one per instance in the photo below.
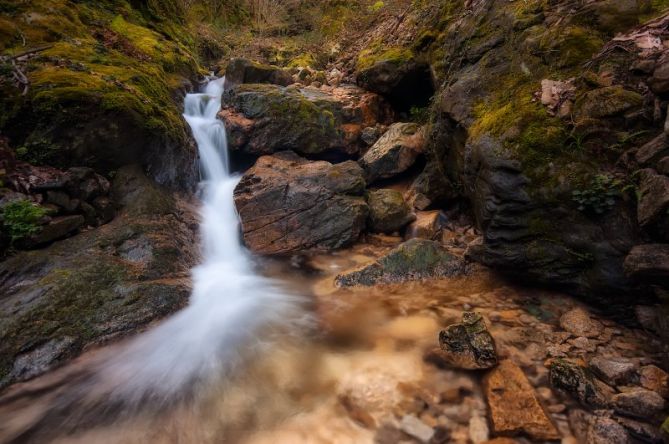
(20, 219)
(599, 196)
(419, 115)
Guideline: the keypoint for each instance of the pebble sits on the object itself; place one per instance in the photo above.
(478, 429)
(413, 426)
(579, 323)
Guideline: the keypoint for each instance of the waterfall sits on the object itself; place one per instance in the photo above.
(230, 302)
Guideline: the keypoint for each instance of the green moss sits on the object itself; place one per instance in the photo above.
(369, 57)
(570, 46)
(20, 219)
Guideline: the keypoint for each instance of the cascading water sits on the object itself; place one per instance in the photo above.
(230, 302)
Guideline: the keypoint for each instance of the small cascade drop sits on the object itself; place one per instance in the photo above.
(230, 302)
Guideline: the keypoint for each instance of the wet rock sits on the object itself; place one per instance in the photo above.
(469, 345)
(413, 260)
(264, 119)
(579, 323)
(288, 204)
(576, 381)
(39, 360)
(57, 228)
(394, 152)
(641, 430)
(649, 261)
(654, 378)
(416, 428)
(514, 407)
(370, 135)
(614, 371)
(246, 71)
(388, 212)
(639, 402)
(428, 225)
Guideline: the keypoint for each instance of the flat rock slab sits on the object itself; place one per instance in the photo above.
(514, 406)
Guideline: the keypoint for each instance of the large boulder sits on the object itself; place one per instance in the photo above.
(395, 152)
(413, 260)
(388, 212)
(264, 119)
(246, 71)
(288, 204)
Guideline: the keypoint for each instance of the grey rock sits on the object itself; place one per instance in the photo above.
(639, 402)
(653, 151)
(603, 430)
(642, 431)
(413, 426)
(654, 197)
(40, 359)
(57, 228)
(577, 381)
(394, 152)
(648, 261)
(614, 371)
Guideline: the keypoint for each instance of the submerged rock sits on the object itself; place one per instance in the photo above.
(264, 119)
(388, 212)
(288, 204)
(514, 406)
(394, 152)
(413, 260)
(468, 345)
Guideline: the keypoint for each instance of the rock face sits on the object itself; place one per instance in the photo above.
(388, 212)
(403, 81)
(514, 406)
(288, 204)
(394, 152)
(246, 71)
(468, 345)
(99, 284)
(413, 260)
(264, 119)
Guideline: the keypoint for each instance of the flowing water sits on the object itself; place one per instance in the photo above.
(248, 361)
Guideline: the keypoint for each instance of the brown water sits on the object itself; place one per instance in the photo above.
(351, 377)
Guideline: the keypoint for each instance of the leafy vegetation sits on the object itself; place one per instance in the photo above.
(599, 196)
(20, 219)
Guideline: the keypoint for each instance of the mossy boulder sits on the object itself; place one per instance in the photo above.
(263, 119)
(104, 86)
(388, 212)
(246, 71)
(608, 102)
(415, 259)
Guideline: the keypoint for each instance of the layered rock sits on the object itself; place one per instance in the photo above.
(263, 119)
(288, 204)
(413, 260)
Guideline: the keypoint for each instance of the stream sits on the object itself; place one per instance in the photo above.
(267, 352)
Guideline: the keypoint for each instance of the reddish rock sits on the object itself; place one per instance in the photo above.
(514, 406)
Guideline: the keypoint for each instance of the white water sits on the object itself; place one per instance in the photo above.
(230, 303)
